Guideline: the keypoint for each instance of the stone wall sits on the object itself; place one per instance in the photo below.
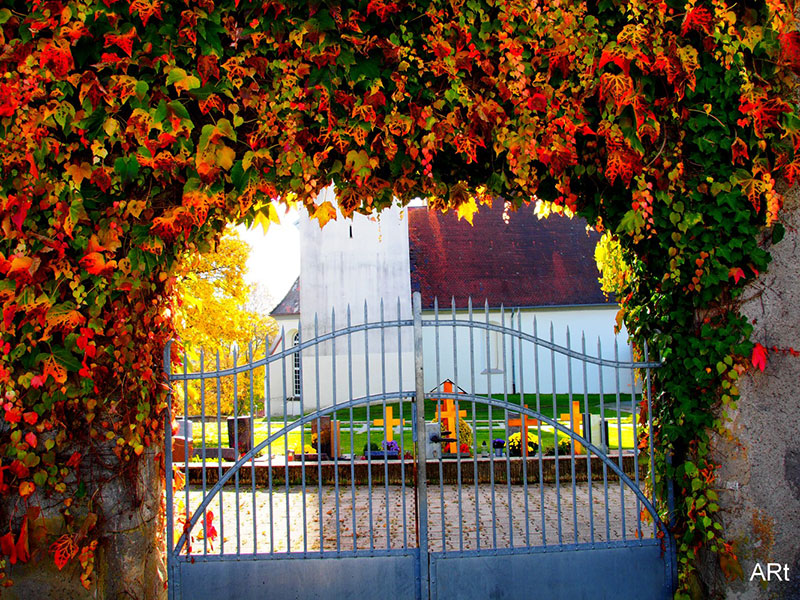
(760, 448)
(130, 561)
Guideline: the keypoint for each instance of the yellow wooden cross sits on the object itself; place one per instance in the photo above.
(523, 423)
(575, 424)
(388, 422)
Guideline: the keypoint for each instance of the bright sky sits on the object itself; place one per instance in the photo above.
(275, 256)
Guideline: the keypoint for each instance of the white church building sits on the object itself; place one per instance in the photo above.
(517, 270)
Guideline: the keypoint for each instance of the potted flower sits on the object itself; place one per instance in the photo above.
(391, 448)
(515, 444)
(497, 446)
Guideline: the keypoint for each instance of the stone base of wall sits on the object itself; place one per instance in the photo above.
(130, 560)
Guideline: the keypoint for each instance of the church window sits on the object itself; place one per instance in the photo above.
(296, 366)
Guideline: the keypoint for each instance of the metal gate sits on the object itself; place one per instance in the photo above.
(450, 504)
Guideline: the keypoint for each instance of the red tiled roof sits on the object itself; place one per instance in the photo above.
(527, 262)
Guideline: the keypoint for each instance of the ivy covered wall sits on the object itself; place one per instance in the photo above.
(132, 130)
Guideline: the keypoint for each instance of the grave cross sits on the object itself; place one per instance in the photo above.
(523, 423)
(574, 423)
(449, 417)
(388, 422)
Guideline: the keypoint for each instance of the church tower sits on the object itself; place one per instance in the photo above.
(353, 262)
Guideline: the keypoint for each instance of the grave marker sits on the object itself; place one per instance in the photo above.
(575, 423)
(523, 422)
(449, 417)
(328, 441)
(388, 423)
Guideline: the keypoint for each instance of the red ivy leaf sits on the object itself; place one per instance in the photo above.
(207, 67)
(759, 357)
(23, 550)
(739, 151)
(18, 468)
(30, 437)
(124, 41)
(790, 49)
(64, 549)
(146, 9)
(95, 263)
(699, 19)
(74, 460)
(13, 414)
(737, 273)
(30, 417)
(8, 547)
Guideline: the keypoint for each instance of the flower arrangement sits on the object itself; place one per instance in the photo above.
(464, 431)
(515, 445)
(307, 449)
(498, 443)
(390, 446)
(464, 449)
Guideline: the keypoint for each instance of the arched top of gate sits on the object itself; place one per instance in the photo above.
(283, 348)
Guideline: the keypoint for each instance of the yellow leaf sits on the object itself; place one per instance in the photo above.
(466, 210)
(263, 220)
(110, 126)
(135, 207)
(225, 157)
(324, 213)
(79, 173)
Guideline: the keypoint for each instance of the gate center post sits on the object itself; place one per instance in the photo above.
(422, 476)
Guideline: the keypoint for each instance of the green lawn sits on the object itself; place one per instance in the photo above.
(375, 434)
(482, 410)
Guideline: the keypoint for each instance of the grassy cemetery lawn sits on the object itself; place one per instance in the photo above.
(354, 439)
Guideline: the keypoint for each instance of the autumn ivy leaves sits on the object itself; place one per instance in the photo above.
(132, 130)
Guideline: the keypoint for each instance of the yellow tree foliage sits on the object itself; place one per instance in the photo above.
(215, 317)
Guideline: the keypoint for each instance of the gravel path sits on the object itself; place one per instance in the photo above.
(453, 524)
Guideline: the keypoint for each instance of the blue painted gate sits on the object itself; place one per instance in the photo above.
(298, 506)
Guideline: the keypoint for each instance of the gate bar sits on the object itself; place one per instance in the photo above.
(422, 484)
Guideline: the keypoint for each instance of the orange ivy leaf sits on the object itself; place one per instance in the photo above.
(759, 357)
(617, 87)
(19, 265)
(95, 263)
(26, 488)
(54, 369)
(79, 172)
(324, 213)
